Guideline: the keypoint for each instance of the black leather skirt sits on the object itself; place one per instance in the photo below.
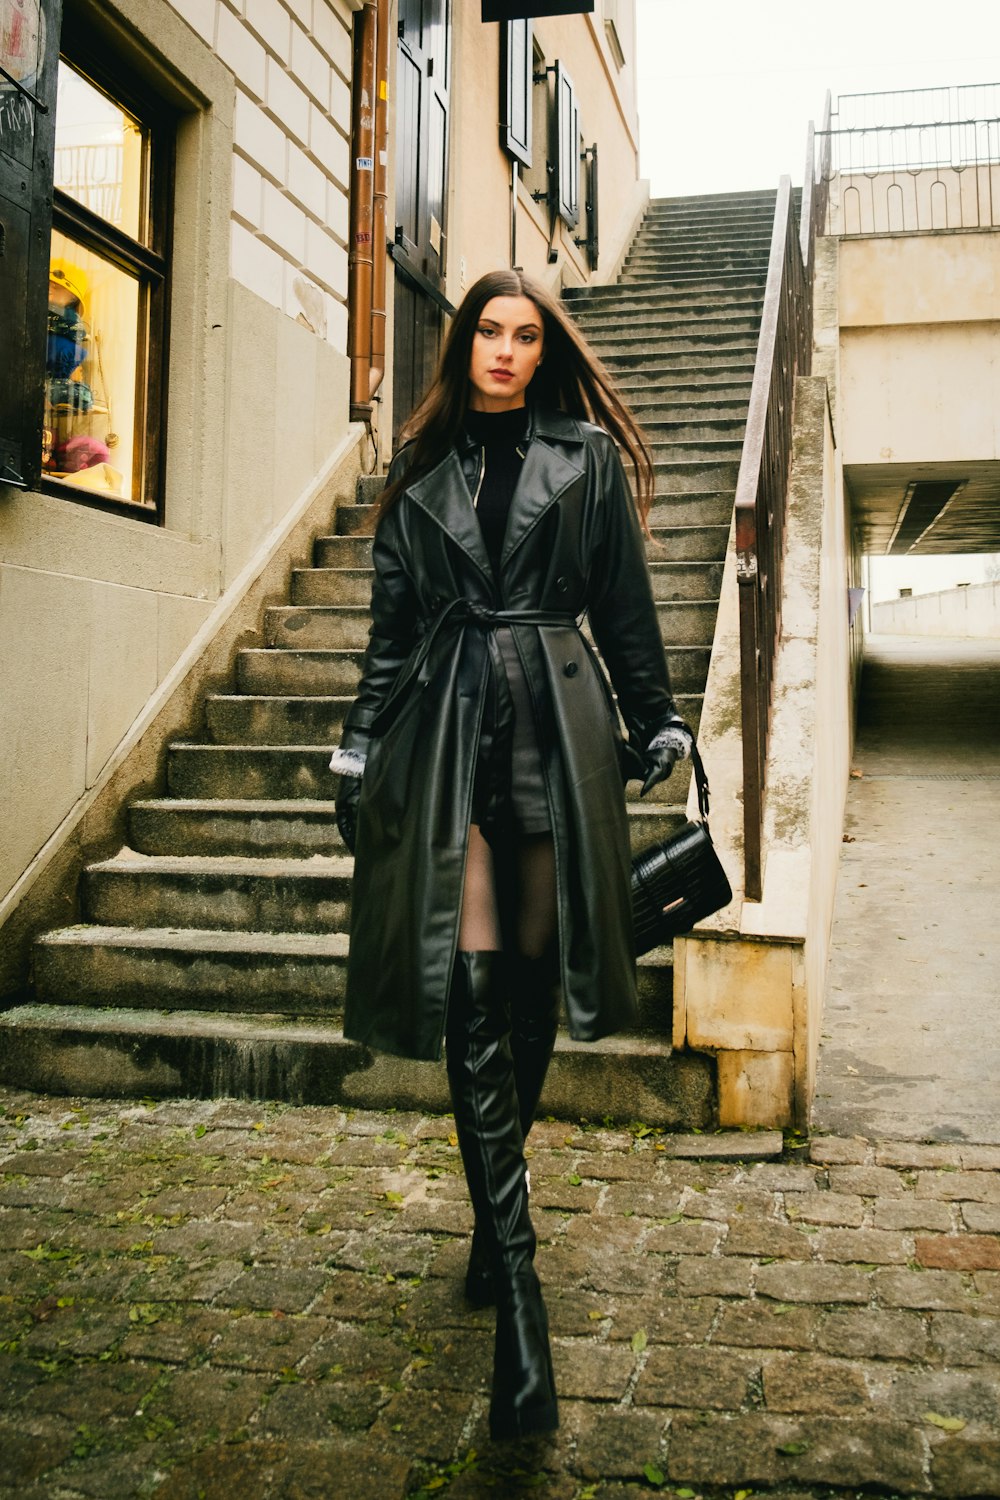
(509, 792)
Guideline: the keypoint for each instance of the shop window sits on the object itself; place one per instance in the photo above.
(104, 426)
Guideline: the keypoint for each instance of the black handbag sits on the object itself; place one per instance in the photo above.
(679, 881)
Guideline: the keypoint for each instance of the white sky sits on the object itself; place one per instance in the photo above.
(727, 87)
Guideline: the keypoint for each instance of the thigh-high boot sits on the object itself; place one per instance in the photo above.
(531, 985)
(484, 1099)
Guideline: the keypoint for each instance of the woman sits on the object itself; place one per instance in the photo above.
(482, 762)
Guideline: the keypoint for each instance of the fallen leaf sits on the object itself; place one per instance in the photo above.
(856, 774)
(946, 1424)
(574, 1179)
(639, 1341)
(655, 1475)
(848, 838)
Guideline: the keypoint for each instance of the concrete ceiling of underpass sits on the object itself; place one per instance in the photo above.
(919, 510)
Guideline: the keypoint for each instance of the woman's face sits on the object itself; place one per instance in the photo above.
(506, 350)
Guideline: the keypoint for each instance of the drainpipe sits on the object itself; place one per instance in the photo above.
(380, 198)
(360, 259)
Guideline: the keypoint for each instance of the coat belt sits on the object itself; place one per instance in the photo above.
(432, 650)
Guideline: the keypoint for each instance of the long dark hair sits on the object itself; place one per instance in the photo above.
(570, 379)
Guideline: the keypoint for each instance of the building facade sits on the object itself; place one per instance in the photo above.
(177, 413)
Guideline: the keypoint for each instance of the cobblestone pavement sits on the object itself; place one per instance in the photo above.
(219, 1299)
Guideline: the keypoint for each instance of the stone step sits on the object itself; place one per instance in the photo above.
(256, 895)
(649, 822)
(253, 719)
(718, 343)
(272, 828)
(275, 672)
(342, 552)
(679, 377)
(681, 276)
(696, 476)
(666, 303)
(285, 772)
(332, 585)
(710, 256)
(709, 355)
(689, 543)
(704, 450)
(617, 322)
(683, 411)
(708, 434)
(248, 973)
(352, 520)
(295, 973)
(325, 626)
(588, 297)
(692, 507)
(210, 1054)
(686, 580)
(688, 203)
(706, 235)
(369, 487)
(331, 626)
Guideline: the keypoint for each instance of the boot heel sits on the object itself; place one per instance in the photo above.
(524, 1393)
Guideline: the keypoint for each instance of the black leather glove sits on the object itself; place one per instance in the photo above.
(346, 809)
(673, 743)
(659, 764)
(350, 756)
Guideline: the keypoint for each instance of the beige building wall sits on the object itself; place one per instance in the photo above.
(95, 608)
(98, 610)
(919, 320)
(480, 205)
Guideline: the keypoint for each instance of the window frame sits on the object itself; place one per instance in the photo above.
(149, 264)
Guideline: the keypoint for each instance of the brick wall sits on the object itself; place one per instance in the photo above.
(291, 142)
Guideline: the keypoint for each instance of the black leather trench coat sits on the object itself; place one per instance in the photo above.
(573, 546)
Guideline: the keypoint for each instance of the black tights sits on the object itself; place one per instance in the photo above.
(512, 895)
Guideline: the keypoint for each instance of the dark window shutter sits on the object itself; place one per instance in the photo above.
(516, 59)
(592, 241)
(567, 149)
(27, 138)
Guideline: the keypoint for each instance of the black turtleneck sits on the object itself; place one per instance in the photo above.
(498, 434)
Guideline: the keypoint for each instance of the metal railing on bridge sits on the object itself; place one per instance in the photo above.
(913, 161)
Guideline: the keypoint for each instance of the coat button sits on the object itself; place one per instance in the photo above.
(570, 669)
(562, 585)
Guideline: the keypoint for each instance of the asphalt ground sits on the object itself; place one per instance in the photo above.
(911, 1047)
(231, 1301)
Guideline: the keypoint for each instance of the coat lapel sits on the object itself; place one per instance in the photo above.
(547, 472)
(545, 475)
(444, 495)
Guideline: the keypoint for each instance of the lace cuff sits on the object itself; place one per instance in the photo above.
(674, 737)
(348, 762)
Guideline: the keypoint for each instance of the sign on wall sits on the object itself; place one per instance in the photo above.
(517, 10)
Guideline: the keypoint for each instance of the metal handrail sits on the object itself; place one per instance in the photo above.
(783, 352)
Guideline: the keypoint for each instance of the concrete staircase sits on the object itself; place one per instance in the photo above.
(210, 958)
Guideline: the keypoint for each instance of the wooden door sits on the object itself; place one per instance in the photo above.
(422, 85)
